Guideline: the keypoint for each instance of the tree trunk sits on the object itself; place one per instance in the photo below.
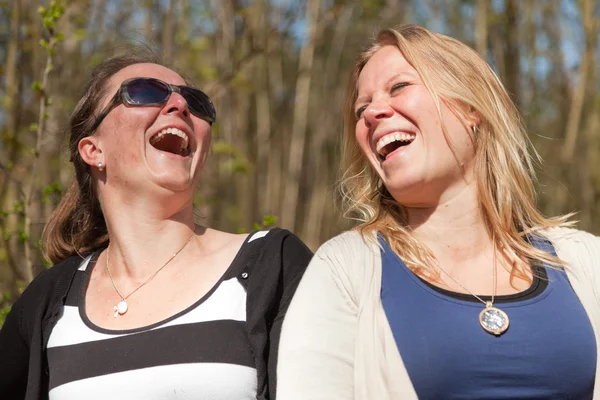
(513, 69)
(167, 38)
(573, 122)
(332, 92)
(276, 84)
(12, 101)
(224, 51)
(298, 140)
(149, 4)
(261, 29)
(481, 28)
(559, 175)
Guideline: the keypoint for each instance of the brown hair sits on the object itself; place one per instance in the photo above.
(504, 160)
(77, 224)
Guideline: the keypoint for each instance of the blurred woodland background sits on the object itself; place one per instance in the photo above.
(277, 72)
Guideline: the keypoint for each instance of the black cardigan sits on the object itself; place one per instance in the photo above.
(273, 268)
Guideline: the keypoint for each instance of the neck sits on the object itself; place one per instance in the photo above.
(144, 234)
(453, 230)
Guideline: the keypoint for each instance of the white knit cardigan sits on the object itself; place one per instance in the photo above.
(336, 342)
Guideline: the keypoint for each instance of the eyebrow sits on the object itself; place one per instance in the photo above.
(363, 99)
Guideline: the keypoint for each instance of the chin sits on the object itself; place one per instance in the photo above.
(410, 193)
(177, 184)
(178, 187)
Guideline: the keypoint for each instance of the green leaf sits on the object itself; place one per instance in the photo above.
(3, 313)
(33, 127)
(36, 85)
(19, 206)
(221, 147)
(23, 237)
(269, 220)
(54, 187)
(48, 22)
(80, 34)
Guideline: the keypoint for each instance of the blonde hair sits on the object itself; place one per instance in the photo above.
(504, 159)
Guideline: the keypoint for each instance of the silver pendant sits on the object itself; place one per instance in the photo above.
(493, 320)
(120, 308)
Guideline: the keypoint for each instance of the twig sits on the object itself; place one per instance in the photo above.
(50, 16)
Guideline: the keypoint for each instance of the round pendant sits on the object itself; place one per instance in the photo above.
(493, 320)
(122, 307)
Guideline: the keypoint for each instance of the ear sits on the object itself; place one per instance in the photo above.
(90, 152)
(472, 117)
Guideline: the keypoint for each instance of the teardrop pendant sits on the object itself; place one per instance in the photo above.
(120, 308)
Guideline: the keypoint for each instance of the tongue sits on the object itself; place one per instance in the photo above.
(169, 143)
(390, 147)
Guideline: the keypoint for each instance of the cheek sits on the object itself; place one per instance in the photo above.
(418, 106)
(361, 134)
(203, 135)
(125, 138)
(458, 133)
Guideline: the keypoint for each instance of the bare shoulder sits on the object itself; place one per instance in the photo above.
(216, 241)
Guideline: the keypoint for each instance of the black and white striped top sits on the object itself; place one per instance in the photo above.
(200, 353)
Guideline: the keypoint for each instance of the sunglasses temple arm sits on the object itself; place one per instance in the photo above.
(113, 103)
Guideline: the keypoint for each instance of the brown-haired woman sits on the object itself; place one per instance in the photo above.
(142, 302)
(454, 286)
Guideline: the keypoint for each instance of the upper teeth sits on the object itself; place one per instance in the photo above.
(171, 131)
(394, 137)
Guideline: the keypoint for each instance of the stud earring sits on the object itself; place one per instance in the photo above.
(100, 166)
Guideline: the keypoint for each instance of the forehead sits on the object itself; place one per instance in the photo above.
(387, 62)
(146, 70)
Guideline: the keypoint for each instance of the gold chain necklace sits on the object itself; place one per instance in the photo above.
(492, 319)
(122, 307)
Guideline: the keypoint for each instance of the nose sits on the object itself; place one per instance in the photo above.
(176, 104)
(376, 112)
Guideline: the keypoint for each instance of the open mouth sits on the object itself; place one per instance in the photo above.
(392, 142)
(171, 140)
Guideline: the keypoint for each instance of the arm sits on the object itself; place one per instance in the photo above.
(14, 356)
(316, 354)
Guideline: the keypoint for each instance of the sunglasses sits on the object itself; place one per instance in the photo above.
(146, 92)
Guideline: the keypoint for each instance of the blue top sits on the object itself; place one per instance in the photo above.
(548, 351)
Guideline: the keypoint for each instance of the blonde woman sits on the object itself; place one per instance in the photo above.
(453, 286)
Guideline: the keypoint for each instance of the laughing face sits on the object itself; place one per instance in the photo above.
(400, 132)
(151, 147)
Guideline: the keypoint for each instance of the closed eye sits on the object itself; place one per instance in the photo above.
(358, 113)
(398, 86)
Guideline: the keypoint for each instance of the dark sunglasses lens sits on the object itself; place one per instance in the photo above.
(199, 103)
(145, 91)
